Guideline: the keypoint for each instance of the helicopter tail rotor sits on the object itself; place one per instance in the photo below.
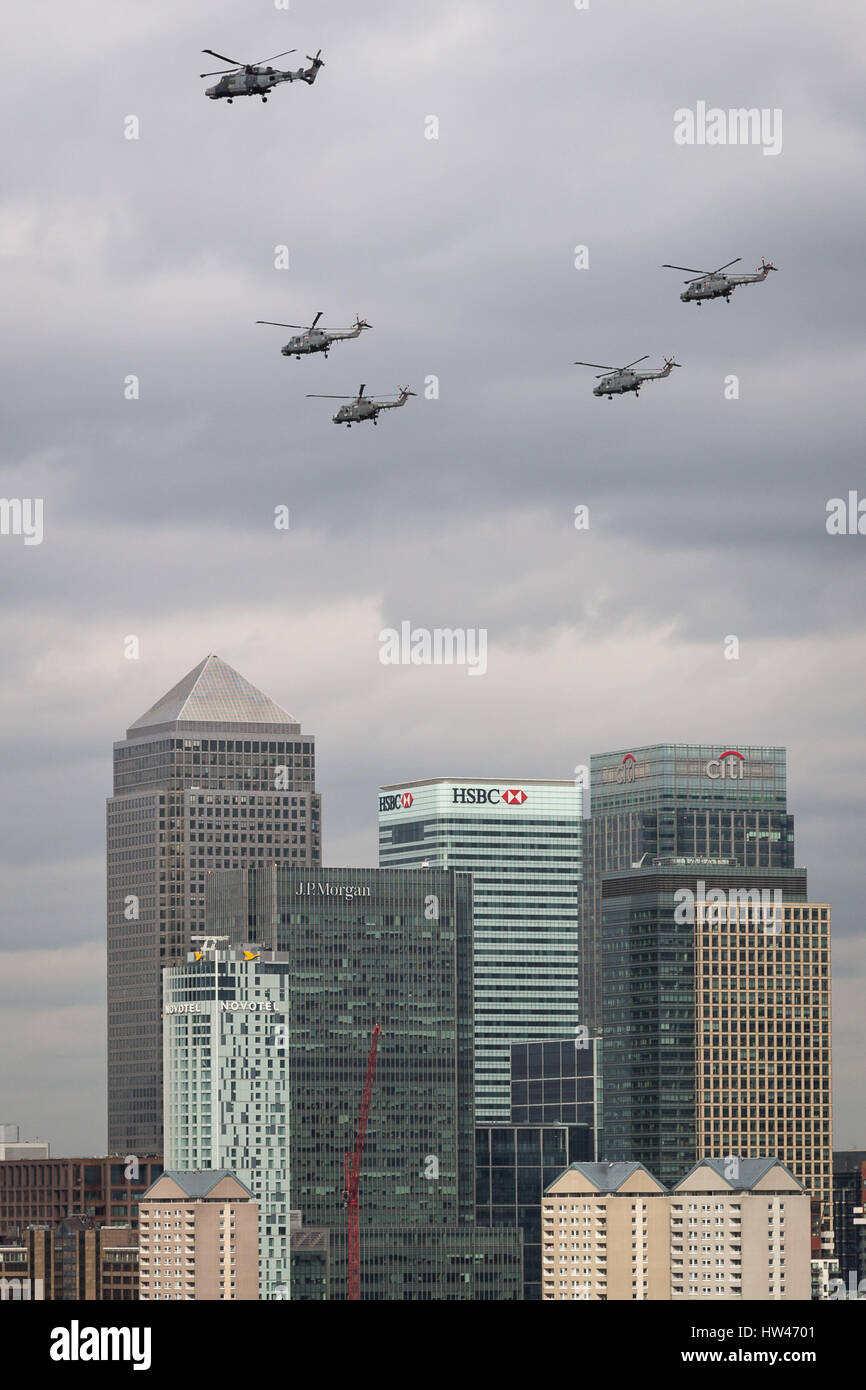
(671, 362)
(361, 323)
(766, 265)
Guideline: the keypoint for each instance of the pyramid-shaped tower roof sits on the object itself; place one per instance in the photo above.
(212, 694)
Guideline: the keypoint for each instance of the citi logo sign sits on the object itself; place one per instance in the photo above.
(629, 770)
(730, 766)
(487, 796)
(400, 802)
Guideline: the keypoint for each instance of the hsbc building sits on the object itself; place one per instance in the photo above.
(522, 841)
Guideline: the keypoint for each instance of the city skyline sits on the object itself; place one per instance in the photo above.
(841, 1138)
(532, 232)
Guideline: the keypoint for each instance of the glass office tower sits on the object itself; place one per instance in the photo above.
(685, 799)
(213, 776)
(554, 1119)
(386, 946)
(522, 843)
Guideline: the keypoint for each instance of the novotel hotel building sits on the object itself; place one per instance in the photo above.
(522, 843)
(226, 1082)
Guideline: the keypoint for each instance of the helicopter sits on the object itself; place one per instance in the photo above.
(256, 79)
(362, 407)
(616, 381)
(315, 339)
(712, 284)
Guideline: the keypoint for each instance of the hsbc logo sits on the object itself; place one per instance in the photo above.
(487, 796)
(401, 802)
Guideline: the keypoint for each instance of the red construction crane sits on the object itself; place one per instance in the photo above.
(353, 1163)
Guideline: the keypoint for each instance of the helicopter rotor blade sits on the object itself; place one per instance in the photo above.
(689, 268)
(273, 57)
(315, 396)
(724, 267)
(316, 320)
(311, 59)
(214, 54)
(273, 323)
(634, 363)
(360, 395)
(595, 364)
(219, 72)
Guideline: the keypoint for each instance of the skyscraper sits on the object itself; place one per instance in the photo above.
(677, 799)
(214, 775)
(393, 947)
(226, 1027)
(522, 843)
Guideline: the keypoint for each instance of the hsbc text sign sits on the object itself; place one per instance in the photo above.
(461, 796)
(402, 801)
(487, 796)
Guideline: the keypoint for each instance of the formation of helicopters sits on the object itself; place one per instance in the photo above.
(257, 79)
(705, 284)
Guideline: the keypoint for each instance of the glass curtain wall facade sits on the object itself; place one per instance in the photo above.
(677, 799)
(386, 946)
(522, 843)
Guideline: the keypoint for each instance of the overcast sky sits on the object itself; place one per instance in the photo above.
(155, 256)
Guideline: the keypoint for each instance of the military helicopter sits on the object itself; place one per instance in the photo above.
(315, 339)
(616, 381)
(255, 79)
(712, 284)
(362, 407)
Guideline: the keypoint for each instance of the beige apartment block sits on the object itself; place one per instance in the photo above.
(762, 1038)
(731, 1229)
(740, 1228)
(605, 1234)
(198, 1238)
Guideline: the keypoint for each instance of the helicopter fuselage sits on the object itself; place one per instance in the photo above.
(306, 343)
(248, 84)
(357, 411)
(712, 287)
(617, 384)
